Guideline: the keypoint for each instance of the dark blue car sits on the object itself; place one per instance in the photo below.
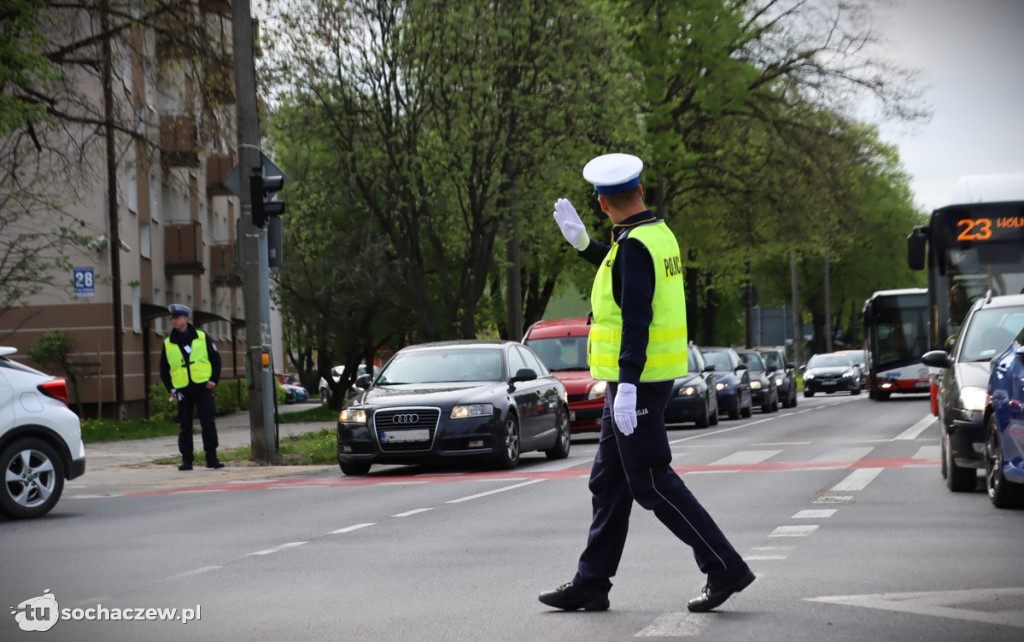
(732, 381)
(1004, 442)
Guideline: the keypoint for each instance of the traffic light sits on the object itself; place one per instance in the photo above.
(261, 190)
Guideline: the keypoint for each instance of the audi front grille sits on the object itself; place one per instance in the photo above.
(406, 429)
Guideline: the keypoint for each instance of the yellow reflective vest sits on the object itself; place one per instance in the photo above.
(667, 351)
(198, 369)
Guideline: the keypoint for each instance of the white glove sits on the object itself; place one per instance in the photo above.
(571, 225)
(624, 408)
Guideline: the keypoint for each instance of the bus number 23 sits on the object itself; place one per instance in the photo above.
(974, 229)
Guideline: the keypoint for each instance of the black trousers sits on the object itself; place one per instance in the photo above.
(197, 397)
(637, 467)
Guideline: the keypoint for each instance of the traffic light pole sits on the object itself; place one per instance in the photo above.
(252, 244)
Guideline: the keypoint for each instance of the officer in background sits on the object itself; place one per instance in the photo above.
(638, 344)
(190, 370)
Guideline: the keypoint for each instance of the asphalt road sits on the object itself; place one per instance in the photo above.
(837, 504)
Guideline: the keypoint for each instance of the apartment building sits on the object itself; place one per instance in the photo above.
(173, 80)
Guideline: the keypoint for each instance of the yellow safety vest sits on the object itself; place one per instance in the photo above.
(199, 369)
(667, 352)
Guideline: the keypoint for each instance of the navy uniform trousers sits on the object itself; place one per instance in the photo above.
(196, 396)
(638, 467)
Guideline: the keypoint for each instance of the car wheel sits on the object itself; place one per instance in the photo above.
(704, 418)
(509, 455)
(33, 478)
(855, 391)
(749, 410)
(958, 479)
(734, 412)
(325, 395)
(563, 438)
(353, 467)
(942, 455)
(1003, 493)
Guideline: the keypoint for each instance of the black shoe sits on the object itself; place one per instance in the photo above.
(214, 464)
(185, 466)
(569, 597)
(713, 596)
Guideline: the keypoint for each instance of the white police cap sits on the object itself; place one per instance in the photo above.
(613, 173)
(177, 309)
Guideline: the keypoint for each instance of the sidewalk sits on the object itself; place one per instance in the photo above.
(128, 465)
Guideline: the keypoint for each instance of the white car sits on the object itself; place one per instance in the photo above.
(40, 439)
(336, 372)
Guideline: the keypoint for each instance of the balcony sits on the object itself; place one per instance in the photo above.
(219, 78)
(217, 168)
(224, 269)
(173, 29)
(179, 141)
(222, 7)
(183, 248)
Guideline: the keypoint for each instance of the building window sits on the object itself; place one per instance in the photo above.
(133, 190)
(158, 299)
(154, 198)
(145, 241)
(136, 309)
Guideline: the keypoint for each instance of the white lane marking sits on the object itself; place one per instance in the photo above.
(401, 483)
(785, 443)
(820, 513)
(928, 452)
(768, 553)
(857, 480)
(833, 499)
(844, 454)
(349, 529)
(564, 464)
(762, 557)
(746, 457)
(415, 511)
(675, 625)
(948, 604)
(918, 428)
(277, 549)
(492, 492)
(196, 571)
(794, 531)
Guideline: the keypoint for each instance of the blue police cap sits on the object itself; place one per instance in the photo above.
(178, 309)
(613, 173)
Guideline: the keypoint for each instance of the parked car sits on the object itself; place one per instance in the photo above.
(456, 400)
(831, 372)
(294, 391)
(694, 397)
(336, 373)
(763, 390)
(562, 345)
(732, 381)
(989, 329)
(860, 359)
(1004, 438)
(784, 374)
(40, 439)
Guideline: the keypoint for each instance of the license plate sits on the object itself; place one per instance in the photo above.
(400, 436)
(829, 383)
(572, 415)
(922, 384)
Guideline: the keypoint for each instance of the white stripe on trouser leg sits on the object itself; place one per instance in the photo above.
(710, 547)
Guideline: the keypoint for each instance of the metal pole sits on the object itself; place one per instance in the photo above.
(252, 241)
(797, 330)
(115, 235)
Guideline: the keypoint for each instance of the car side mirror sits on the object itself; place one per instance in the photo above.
(1020, 353)
(741, 367)
(802, 368)
(524, 374)
(363, 381)
(790, 366)
(708, 369)
(937, 359)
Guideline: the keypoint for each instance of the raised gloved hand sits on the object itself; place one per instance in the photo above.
(571, 225)
(624, 408)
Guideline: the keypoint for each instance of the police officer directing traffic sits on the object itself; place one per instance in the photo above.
(638, 344)
(190, 370)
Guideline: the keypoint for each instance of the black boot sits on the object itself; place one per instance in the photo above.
(185, 465)
(212, 461)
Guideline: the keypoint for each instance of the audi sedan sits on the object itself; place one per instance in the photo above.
(454, 401)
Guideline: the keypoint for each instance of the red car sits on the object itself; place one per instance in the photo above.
(562, 345)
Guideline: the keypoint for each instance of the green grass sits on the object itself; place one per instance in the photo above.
(311, 448)
(95, 431)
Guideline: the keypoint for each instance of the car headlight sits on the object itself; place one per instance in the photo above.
(972, 398)
(848, 375)
(755, 385)
(689, 391)
(722, 385)
(598, 390)
(352, 416)
(808, 376)
(472, 410)
(778, 381)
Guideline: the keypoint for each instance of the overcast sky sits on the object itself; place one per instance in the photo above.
(972, 55)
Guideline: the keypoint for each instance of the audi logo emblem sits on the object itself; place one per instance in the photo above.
(408, 418)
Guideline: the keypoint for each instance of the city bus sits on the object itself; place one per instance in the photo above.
(895, 338)
(970, 247)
